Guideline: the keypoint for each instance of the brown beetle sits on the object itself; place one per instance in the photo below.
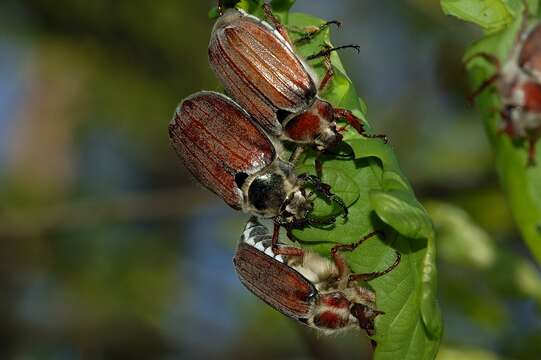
(229, 154)
(519, 85)
(260, 70)
(305, 286)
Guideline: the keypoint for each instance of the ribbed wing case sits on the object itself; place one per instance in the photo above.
(216, 139)
(259, 69)
(274, 282)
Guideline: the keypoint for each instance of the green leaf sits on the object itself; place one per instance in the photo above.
(463, 243)
(401, 209)
(411, 327)
(469, 353)
(491, 15)
(520, 182)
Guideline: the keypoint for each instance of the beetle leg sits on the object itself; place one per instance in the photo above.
(343, 269)
(220, 7)
(319, 166)
(296, 154)
(357, 124)
(325, 53)
(310, 33)
(275, 22)
(325, 190)
(326, 50)
(329, 72)
(376, 274)
(338, 258)
(284, 249)
(484, 85)
(492, 59)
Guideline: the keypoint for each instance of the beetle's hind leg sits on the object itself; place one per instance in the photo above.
(275, 22)
(327, 50)
(285, 250)
(310, 32)
(375, 274)
(338, 258)
(491, 59)
(343, 269)
(329, 72)
(325, 53)
(296, 154)
(318, 164)
(357, 124)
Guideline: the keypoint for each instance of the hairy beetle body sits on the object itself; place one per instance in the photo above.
(306, 286)
(519, 85)
(227, 152)
(259, 68)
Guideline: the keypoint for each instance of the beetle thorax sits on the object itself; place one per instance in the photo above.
(314, 125)
(275, 192)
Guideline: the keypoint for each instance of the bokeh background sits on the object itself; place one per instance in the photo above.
(109, 250)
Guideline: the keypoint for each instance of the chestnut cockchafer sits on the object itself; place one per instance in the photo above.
(226, 151)
(518, 82)
(305, 286)
(259, 69)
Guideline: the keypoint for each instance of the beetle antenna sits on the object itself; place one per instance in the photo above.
(357, 124)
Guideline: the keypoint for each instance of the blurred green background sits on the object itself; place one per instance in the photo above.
(110, 250)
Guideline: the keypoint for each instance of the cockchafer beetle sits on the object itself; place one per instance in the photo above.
(260, 70)
(519, 85)
(223, 148)
(305, 286)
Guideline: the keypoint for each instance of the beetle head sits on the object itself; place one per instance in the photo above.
(365, 316)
